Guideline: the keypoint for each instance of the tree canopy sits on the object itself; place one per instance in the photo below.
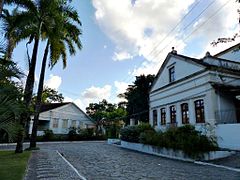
(137, 96)
(50, 95)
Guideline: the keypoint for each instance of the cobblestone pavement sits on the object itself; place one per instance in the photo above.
(47, 164)
(96, 160)
(231, 161)
(100, 161)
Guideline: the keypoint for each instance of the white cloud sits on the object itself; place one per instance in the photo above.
(121, 56)
(68, 99)
(91, 95)
(96, 93)
(54, 82)
(136, 29)
(105, 46)
(120, 86)
(141, 28)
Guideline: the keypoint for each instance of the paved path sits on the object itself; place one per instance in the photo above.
(96, 160)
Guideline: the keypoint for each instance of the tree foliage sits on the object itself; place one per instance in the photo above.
(11, 105)
(105, 111)
(50, 95)
(137, 96)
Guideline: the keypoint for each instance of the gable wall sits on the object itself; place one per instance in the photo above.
(67, 112)
(182, 69)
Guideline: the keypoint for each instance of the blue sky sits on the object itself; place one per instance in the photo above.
(125, 38)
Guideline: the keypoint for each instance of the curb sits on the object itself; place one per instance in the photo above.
(50, 142)
(216, 165)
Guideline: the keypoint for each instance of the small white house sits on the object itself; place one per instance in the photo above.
(59, 117)
(202, 92)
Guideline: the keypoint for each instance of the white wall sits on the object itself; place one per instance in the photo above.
(228, 136)
(182, 69)
(69, 112)
(187, 91)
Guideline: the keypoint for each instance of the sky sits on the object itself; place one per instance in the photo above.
(125, 38)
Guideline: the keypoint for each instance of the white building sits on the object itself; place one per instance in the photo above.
(202, 92)
(59, 117)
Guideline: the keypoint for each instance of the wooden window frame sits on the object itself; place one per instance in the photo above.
(74, 124)
(199, 111)
(55, 123)
(173, 114)
(63, 125)
(163, 116)
(185, 113)
(171, 71)
(155, 117)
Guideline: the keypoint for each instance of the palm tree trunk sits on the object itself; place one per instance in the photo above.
(39, 98)
(1, 6)
(10, 48)
(28, 95)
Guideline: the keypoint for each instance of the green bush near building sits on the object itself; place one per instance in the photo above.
(132, 133)
(184, 138)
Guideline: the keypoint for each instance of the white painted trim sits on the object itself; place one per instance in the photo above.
(75, 170)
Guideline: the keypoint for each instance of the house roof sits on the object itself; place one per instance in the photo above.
(199, 62)
(50, 106)
(227, 50)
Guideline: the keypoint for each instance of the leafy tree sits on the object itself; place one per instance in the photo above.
(33, 21)
(104, 113)
(137, 96)
(49, 95)
(62, 33)
(11, 105)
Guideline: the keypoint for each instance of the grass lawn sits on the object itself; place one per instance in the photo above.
(13, 166)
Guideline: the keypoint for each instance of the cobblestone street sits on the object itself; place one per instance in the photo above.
(97, 160)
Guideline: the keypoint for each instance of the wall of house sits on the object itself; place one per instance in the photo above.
(182, 69)
(68, 112)
(228, 136)
(227, 112)
(189, 90)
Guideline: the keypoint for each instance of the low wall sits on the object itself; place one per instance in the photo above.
(228, 136)
(173, 154)
(113, 141)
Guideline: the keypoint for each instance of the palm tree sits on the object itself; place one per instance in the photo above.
(1, 6)
(63, 34)
(31, 23)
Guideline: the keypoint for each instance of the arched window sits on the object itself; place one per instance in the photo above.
(199, 111)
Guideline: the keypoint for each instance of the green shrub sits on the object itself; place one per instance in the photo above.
(113, 131)
(84, 134)
(184, 138)
(132, 133)
(72, 134)
(48, 135)
(149, 137)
